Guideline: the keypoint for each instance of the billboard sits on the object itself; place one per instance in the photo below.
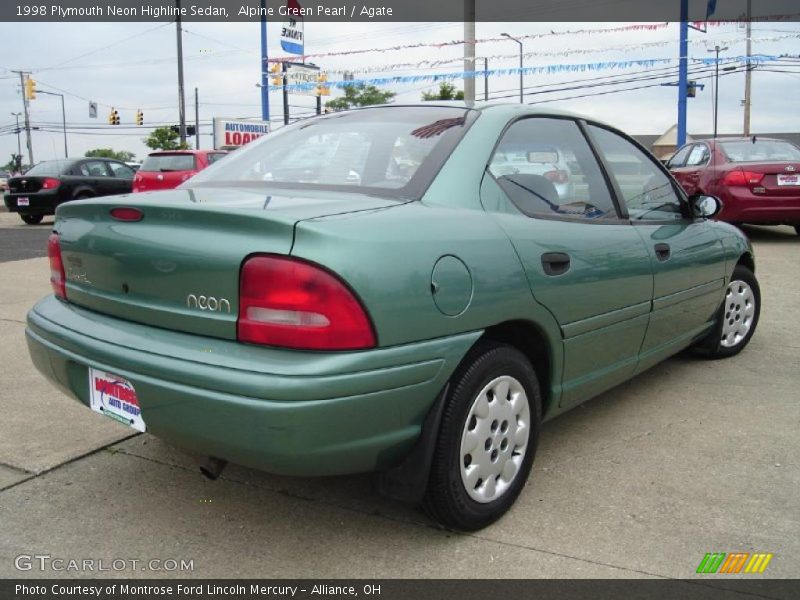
(230, 133)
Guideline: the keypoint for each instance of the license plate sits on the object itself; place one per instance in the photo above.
(23, 201)
(788, 179)
(114, 397)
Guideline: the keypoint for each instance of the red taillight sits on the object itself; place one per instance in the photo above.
(557, 176)
(290, 303)
(58, 279)
(50, 183)
(127, 214)
(742, 178)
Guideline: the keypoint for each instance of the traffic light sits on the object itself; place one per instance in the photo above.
(277, 75)
(139, 117)
(113, 116)
(691, 89)
(30, 88)
(322, 87)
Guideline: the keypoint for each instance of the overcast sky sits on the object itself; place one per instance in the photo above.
(133, 65)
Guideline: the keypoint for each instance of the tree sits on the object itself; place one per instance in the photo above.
(122, 155)
(360, 95)
(447, 91)
(164, 138)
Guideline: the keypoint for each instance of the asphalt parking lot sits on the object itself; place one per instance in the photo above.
(689, 458)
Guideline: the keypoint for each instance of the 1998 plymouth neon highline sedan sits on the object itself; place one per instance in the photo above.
(403, 289)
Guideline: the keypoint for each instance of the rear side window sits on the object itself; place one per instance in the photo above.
(547, 169)
(169, 162)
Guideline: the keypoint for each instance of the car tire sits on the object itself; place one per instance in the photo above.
(32, 219)
(797, 229)
(468, 493)
(737, 317)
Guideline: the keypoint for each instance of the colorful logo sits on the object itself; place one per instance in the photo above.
(734, 562)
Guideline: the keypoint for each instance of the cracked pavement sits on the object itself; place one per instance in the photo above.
(691, 457)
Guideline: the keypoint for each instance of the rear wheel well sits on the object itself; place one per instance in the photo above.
(528, 339)
(746, 260)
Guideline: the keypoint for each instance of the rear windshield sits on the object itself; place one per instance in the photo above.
(168, 162)
(760, 151)
(390, 151)
(49, 168)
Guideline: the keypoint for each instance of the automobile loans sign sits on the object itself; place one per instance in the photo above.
(232, 133)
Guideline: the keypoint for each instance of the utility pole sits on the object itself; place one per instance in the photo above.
(264, 64)
(196, 119)
(469, 50)
(683, 76)
(521, 65)
(486, 79)
(27, 117)
(716, 49)
(285, 68)
(747, 77)
(181, 96)
(19, 143)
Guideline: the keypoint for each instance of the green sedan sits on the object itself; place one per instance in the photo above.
(410, 290)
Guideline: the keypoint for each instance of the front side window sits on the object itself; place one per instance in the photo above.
(547, 169)
(698, 156)
(391, 151)
(679, 158)
(94, 168)
(648, 192)
(120, 170)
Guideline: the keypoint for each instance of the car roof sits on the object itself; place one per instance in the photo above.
(188, 152)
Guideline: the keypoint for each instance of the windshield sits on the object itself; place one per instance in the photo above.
(49, 168)
(394, 151)
(761, 151)
(168, 162)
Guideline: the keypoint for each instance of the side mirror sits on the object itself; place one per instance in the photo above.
(705, 207)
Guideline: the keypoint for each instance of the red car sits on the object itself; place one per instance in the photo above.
(757, 179)
(168, 169)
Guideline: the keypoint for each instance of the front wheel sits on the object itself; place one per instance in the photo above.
(32, 219)
(737, 316)
(487, 439)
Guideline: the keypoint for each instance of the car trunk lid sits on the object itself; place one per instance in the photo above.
(25, 185)
(178, 267)
(778, 179)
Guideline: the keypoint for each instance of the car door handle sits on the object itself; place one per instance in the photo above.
(555, 263)
(662, 252)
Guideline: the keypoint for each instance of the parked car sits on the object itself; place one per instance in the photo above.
(4, 175)
(166, 170)
(50, 183)
(422, 325)
(757, 179)
(134, 165)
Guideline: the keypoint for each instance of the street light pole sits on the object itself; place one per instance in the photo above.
(716, 49)
(63, 118)
(19, 142)
(521, 87)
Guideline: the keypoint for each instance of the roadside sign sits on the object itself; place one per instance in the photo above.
(231, 133)
(302, 74)
(292, 30)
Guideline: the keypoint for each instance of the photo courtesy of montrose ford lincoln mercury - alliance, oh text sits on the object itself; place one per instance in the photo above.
(407, 290)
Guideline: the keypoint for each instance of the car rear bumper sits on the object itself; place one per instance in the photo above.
(287, 412)
(39, 203)
(743, 206)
